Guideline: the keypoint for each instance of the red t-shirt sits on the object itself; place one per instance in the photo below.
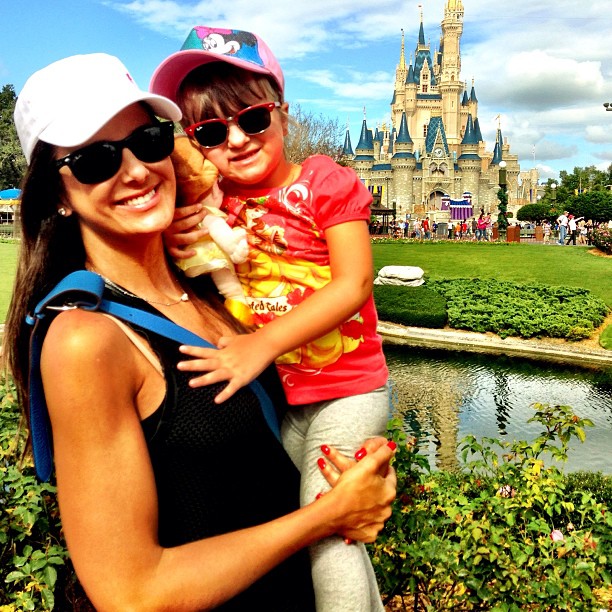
(289, 259)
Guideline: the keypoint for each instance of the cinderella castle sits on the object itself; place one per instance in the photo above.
(431, 160)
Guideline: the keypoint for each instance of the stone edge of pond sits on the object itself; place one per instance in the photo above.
(474, 342)
(480, 343)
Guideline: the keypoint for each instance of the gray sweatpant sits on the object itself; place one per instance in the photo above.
(342, 574)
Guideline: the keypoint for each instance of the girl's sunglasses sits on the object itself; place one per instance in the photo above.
(251, 120)
(100, 161)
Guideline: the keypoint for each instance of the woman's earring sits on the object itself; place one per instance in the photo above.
(62, 211)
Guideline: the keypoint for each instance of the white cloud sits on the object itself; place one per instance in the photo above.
(546, 67)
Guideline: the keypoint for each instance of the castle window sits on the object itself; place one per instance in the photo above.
(424, 89)
(425, 130)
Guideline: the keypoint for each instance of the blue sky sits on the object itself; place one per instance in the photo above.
(545, 67)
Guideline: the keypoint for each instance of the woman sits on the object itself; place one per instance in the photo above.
(168, 501)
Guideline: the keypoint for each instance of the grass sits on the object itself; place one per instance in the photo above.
(605, 340)
(524, 263)
(8, 266)
(521, 263)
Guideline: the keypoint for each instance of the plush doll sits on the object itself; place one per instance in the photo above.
(223, 247)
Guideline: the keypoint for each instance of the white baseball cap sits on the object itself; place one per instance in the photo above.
(67, 102)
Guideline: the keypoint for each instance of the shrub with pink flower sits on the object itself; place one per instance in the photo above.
(602, 238)
(556, 536)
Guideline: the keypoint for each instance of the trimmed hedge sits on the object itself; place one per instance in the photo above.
(412, 306)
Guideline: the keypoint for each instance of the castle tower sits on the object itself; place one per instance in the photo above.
(469, 162)
(403, 164)
(450, 85)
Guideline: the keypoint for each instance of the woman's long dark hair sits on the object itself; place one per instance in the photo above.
(51, 247)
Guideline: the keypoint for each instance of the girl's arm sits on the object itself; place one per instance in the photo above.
(97, 385)
(243, 357)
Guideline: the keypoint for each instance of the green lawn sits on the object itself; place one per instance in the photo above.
(523, 263)
(8, 265)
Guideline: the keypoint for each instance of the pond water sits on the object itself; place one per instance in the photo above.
(446, 395)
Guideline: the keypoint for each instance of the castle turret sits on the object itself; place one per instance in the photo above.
(403, 164)
(469, 161)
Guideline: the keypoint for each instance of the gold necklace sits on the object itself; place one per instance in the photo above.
(183, 298)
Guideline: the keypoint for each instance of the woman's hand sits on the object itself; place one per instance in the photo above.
(185, 230)
(363, 490)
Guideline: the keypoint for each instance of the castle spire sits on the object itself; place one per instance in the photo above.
(347, 149)
(421, 30)
(403, 136)
(402, 62)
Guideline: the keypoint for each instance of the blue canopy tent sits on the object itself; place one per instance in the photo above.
(8, 200)
(10, 194)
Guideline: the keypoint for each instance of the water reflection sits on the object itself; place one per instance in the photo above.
(444, 396)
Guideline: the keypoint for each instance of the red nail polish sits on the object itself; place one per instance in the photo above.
(325, 449)
(392, 445)
(360, 454)
(319, 496)
(321, 463)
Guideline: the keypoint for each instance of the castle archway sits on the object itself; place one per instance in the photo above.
(435, 200)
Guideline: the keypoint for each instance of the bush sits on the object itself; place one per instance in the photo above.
(505, 533)
(602, 239)
(412, 306)
(605, 339)
(527, 311)
(34, 562)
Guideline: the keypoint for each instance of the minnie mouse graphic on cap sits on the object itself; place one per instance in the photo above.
(237, 43)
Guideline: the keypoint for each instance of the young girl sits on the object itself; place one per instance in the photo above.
(167, 502)
(308, 279)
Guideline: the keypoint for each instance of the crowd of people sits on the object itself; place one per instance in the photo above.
(565, 230)
(475, 229)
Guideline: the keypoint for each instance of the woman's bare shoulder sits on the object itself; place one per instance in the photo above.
(81, 334)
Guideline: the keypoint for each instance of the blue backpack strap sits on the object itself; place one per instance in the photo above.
(83, 289)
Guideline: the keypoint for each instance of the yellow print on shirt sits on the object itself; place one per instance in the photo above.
(274, 284)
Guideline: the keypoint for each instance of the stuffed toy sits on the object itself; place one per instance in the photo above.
(224, 246)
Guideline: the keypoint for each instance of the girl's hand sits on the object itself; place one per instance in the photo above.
(362, 491)
(239, 360)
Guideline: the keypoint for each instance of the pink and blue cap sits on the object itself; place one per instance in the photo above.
(205, 45)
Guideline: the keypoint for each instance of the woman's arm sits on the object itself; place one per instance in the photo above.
(96, 385)
(350, 286)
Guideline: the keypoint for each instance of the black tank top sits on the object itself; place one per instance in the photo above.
(219, 468)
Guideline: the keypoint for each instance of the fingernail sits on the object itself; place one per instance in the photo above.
(319, 496)
(325, 449)
(360, 454)
(392, 445)
(321, 463)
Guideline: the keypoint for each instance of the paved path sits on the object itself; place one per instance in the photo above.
(484, 343)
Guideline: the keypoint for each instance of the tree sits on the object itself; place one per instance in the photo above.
(594, 205)
(311, 134)
(502, 217)
(12, 161)
(583, 180)
(536, 212)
